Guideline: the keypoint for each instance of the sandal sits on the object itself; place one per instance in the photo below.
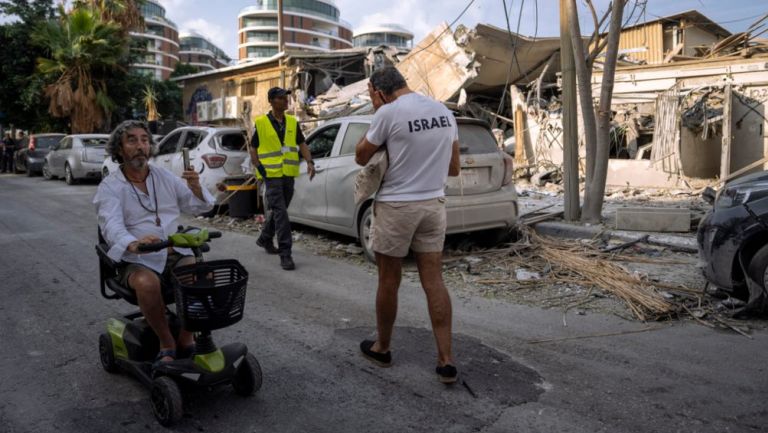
(170, 353)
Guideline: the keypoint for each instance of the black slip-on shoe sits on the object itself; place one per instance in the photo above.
(269, 247)
(380, 359)
(447, 374)
(286, 262)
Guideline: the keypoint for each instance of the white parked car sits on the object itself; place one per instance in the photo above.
(216, 153)
(76, 157)
(483, 198)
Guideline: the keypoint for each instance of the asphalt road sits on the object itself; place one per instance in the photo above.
(305, 326)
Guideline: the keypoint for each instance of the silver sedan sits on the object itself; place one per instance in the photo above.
(483, 198)
(76, 157)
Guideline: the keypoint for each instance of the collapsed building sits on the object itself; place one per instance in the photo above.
(688, 105)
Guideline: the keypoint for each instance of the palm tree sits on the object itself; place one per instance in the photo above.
(150, 103)
(125, 13)
(81, 49)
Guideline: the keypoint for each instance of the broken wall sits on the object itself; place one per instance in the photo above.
(748, 127)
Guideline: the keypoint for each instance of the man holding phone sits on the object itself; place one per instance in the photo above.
(275, 146)
(421, 137)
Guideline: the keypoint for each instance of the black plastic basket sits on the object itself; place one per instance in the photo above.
(210, 295)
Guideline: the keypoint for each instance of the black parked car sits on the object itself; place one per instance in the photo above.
(31, 151)
(733, 240)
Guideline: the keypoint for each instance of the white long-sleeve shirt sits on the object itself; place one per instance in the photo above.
(123, 220)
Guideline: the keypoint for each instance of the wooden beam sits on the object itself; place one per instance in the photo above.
(725, 156)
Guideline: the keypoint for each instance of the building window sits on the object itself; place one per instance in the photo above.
(248, 87)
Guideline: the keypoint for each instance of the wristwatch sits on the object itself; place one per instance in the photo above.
(311, 162)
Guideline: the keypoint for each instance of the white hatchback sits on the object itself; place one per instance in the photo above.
(216, 153)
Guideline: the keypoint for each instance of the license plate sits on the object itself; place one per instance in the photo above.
(470, 176)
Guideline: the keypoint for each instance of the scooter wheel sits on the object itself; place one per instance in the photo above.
(248, 377)
(167, 403)
(107, 354)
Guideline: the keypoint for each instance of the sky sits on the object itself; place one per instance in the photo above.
(219, 22)
(217, 19)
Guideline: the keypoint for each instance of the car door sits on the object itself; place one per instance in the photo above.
(190, 141)
(167, 148)
(60, 156)
(341, 171)
(309, 200)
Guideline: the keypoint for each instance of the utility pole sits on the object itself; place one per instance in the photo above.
(281, 41)
(570, 118)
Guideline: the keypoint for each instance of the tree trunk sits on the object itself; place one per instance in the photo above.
(584, 80)
(594, 196)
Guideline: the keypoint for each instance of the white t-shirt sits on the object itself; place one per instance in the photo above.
(419, 133)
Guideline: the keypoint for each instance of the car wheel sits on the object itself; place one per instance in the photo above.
(493, 237)
(364, 233)
(28, 170)
(68, 176)
(47, 171)
(757, 271)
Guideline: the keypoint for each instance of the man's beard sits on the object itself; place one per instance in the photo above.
(138, 161)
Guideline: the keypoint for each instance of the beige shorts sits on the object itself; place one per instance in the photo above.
(414, 225)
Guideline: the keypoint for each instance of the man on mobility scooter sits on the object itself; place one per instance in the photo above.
(140, 205)
(144, 262)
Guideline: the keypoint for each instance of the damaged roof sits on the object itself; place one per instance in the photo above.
(498, 54)
(692, 16)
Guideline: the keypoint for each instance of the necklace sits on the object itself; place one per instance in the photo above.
(154, 193)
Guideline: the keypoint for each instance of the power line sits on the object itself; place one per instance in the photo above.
(514, 48)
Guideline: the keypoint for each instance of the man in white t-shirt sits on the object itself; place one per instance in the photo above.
(421, 138)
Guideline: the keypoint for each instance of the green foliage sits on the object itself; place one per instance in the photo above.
(21, 100)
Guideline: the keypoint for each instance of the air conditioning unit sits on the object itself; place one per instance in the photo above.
(232, 107)
(203, 111)
(217, 109)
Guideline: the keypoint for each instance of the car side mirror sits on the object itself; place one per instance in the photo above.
(709, 195)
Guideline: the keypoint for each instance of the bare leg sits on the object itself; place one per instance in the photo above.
(147, 286)
(439, 301)
(186, 339)
(390, 274)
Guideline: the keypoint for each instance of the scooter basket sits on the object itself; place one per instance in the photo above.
(210, 295)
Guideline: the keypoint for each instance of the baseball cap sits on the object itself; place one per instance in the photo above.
(276, 92)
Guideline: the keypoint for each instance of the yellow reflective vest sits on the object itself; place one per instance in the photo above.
(279, 159)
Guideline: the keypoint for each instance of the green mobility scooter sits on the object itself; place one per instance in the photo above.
(208, 296)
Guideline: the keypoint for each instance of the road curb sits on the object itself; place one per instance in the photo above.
(685, 243)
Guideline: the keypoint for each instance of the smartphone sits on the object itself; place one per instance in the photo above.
(185, 155)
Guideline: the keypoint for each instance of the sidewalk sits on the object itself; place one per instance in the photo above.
(550, 199)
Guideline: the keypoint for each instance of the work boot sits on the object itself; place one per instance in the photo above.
(269, 247)
(286, 262)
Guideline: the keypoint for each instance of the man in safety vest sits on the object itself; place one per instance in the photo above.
(275, 148)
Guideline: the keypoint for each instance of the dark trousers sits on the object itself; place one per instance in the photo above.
(7, 161)
(279, 194)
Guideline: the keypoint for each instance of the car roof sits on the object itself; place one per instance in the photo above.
(369, 117)
(206, 129)
(88, 135)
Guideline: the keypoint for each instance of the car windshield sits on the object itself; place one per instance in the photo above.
(232, 141)
(476, 139)
(47, 142)
(94, 142)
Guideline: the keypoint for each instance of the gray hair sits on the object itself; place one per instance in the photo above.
(115, 142)
(388, 79)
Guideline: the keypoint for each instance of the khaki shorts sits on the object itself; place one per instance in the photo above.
(171, 262)
(414, 225)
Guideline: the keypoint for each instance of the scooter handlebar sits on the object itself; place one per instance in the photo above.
(214, 235)
(153, 247)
